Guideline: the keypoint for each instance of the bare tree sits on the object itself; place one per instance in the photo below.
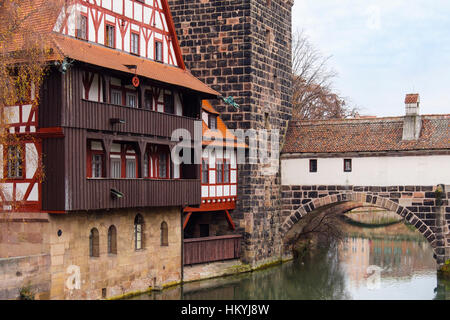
(25, 30)
(313, 96)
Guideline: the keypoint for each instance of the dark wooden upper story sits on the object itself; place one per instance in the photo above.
(86, 117)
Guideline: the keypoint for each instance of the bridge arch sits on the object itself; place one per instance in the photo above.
(345, 201)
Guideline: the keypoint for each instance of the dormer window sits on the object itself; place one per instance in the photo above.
(212, 122)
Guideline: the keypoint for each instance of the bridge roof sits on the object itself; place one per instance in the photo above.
(365, 135)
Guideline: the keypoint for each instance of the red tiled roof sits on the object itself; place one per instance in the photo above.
(114, 59)
(222, 131)
(412, 98)
(41, 16)
(365, 135)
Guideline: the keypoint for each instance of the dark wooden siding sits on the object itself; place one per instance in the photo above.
(53, 192)
(50, 106)
(209, 249)
(85, 114)
(66, 187)
(73, 191)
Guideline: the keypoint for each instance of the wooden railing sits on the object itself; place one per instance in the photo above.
(97, 115)
(96, 194)
(209, 249)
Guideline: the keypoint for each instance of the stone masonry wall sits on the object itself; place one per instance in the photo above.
(416, 204)
(242, 48)
(57, 265)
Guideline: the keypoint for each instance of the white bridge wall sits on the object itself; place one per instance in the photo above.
(369, 171)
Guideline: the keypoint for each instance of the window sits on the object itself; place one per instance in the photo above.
(131, 100)
(158, 51)
(110, 36)
(146, 173)
(131, 168)
(164, 234)
(162, 165)
(116, 168)
(148, 100)
(212, 122)
(134, 43)
(205, 172)
(219, 172)
(14, 164)
(168, 103)
(116, 97)
(226, 173)
(266, 120)
(313, 165)
(112, 240)
(81, 32)
(347, 165)
(97, 166)
(138, 232)
(94, 243)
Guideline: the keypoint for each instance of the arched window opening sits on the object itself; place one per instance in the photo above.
(138, 232)
(94, 243)
(112, 240)
(164, 234)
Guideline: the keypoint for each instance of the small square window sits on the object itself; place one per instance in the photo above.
(347, 165)
(313, 165)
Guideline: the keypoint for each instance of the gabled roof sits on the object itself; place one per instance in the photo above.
(99, 55)
(365, 135)
(41, 16)
(222, 131)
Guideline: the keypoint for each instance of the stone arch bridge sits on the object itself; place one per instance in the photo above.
(424, 207)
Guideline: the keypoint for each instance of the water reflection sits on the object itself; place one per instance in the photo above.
(394, 263)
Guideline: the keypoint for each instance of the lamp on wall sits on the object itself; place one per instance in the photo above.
(116, 194)
(116, 120)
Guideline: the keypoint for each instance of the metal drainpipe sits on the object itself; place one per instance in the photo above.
(182, 245)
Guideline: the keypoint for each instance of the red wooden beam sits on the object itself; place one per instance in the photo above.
(229, 220)
(186, 220)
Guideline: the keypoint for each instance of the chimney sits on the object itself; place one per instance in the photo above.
(412, 122)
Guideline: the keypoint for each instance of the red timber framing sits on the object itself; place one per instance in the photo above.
(22, 191)
(21, 185)
(96, 13)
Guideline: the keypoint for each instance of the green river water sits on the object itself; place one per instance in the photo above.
(392, 263)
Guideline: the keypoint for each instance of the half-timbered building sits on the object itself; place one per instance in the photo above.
(108, 212)
(209, 230)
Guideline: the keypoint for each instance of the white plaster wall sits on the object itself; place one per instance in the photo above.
(369, 171)
(141, 13)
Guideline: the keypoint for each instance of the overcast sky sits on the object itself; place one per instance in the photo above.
(383, 49)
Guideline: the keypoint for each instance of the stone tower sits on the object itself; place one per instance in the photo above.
(242, 48)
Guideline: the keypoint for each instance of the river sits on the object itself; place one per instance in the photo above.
(392, 262)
